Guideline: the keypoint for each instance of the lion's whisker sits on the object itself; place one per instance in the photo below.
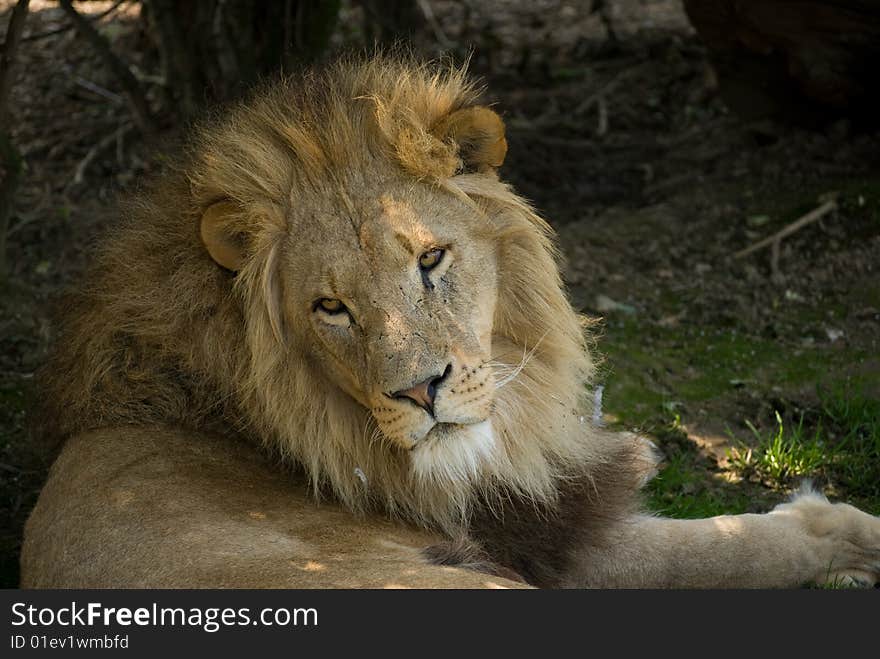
(526, 358)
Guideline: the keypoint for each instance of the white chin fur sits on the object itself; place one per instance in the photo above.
(455, 458)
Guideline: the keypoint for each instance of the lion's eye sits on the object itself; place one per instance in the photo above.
(430, 260)
(331, 306)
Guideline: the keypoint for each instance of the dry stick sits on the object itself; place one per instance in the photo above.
(602, 92)
(774, 258)
(787, 230)
(133, 91)
(602, 119)
(9, 156)
(97, 149)
(97, 89)
(34, 212)
(600, 99)
(431, 19)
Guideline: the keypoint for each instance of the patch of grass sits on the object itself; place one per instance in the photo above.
(647, 365)
(843, 447)
(782, 456)
(683, 488)
(855, 416)
(680, 490)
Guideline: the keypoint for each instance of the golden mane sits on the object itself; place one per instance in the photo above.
(159, 334)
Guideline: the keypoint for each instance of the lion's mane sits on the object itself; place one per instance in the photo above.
(157, 333)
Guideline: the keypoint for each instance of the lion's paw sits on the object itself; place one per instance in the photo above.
(847, 539)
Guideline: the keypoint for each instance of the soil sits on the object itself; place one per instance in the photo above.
(623, 146)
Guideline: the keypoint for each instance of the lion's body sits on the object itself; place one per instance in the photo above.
(336, 273)
(140, 503)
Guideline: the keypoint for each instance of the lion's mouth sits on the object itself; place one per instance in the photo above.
(443, 430)
(455, 452)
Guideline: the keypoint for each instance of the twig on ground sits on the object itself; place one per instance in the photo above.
(120, 147)
(602, 92)
(36, 210)
(774, 240)
(774, 259)
(109, 140)
(133, 91)
(600, 99)
(97, 89)
(602, 121)
(24, 220)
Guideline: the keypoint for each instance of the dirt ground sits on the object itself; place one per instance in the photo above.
(622, 144)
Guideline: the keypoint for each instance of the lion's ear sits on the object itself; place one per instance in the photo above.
(221, 237)
(479, 133)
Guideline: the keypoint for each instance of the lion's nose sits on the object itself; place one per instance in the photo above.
(423, 393)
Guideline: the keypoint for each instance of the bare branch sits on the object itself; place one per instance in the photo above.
(97, 89)
(112, 139)
(431, 19)
(65, 28)
(134, 93)
(788, 229)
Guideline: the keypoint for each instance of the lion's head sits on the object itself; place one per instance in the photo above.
(338, 270)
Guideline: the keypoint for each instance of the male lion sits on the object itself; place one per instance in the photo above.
(336, 273)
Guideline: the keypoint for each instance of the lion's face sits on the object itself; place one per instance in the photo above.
(407, 338)
(395, 302)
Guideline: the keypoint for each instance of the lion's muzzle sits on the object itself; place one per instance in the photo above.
(457, 397)
(424, 393)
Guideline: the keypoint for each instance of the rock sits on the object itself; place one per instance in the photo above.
(605, 304)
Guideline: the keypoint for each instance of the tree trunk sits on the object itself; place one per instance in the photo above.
(804, 60)
(386, 21)
(215, 49)
(9, 156)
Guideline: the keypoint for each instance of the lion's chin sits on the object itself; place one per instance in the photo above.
(455, 453)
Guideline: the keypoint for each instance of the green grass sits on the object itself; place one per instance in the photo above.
(839, 447)
(717, 374)
(681, 490)
(656, 374)
(855, 418)
(843, 448)
(649, 366)
(783, 455)
(685, 488)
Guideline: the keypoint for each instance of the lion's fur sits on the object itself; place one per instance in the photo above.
(159, 335)
(166, 361)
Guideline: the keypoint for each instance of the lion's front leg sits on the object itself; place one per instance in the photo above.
(806, 541)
